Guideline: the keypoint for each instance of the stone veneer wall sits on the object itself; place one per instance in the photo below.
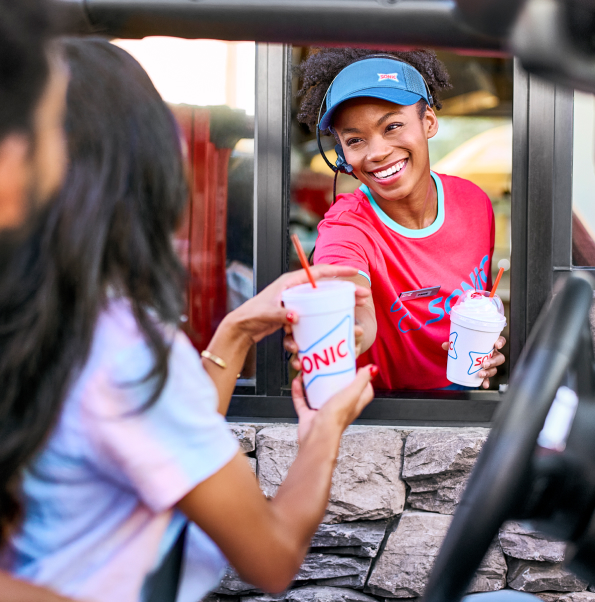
(393, 495)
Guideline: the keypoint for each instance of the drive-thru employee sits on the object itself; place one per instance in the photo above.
(406, 228)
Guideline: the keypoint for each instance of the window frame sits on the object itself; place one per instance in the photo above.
(540, 123)
(542, 188)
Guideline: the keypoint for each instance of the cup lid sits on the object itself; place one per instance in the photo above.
(327, 296)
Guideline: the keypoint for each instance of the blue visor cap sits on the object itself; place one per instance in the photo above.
(382, 78)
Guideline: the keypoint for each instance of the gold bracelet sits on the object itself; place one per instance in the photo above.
(214, 358)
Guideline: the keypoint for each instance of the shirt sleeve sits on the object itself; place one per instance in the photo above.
(164, 451)
(342, 243)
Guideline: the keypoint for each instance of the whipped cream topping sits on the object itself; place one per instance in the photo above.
(478, 305)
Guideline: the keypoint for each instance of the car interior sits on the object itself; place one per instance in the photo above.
(522, 106)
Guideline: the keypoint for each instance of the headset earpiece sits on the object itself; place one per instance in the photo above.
(341, 162)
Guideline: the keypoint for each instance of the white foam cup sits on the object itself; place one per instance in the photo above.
(476, 322)
(324, 335)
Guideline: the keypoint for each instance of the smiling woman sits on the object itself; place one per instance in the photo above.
(403, 227)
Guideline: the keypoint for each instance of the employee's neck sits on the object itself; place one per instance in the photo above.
(416, 211)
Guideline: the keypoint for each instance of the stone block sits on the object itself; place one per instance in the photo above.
(313, 593)
(265, 598)
(232, 585)
(355, 539)
(246, 436)
(276, 450)
(352, 581)
(348, 570)
(491, 574)
(403, 568)
(531, 576)
(520, 540)
(253, 464)
(366, 482)
(566, 596)
(437, 463)
(333, 566)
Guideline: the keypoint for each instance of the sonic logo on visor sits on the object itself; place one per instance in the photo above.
(384, 76)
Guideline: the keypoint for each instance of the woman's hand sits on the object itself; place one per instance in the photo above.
(490, 367)
(343, 408)
(264, 314)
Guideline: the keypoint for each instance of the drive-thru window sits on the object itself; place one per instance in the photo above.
(257, 178)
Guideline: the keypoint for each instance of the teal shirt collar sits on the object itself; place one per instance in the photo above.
(409, 233)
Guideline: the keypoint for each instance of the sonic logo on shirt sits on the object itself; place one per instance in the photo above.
(440, 307)
(333, 353)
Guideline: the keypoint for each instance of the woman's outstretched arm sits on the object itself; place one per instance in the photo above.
(258, 317)
(266, 541)
(15, 590)
(365, 322)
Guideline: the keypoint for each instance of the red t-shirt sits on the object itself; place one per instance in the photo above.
(455, 252)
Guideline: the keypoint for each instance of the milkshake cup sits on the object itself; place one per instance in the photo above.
(324, 336)
(476, 322)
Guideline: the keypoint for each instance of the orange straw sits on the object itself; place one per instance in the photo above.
(497, 282)
(303, 259)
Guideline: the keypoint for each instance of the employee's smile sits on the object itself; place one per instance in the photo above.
(389, 174)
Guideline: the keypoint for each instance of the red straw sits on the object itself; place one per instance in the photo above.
(497, 282)
(303, 259)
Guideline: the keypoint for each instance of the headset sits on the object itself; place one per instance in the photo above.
(341, 165)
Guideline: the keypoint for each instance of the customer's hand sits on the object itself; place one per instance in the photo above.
(264, 314)
(341, 409)
(490, 367)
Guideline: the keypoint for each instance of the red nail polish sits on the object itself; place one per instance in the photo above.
(290, 317)
(374, 371)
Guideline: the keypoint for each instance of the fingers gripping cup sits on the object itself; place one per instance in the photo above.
(324, 335)
(476, 323)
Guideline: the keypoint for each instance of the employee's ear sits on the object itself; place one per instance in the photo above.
(430, 122)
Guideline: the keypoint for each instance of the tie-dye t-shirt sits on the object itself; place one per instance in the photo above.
(454, 252)
(100, 497)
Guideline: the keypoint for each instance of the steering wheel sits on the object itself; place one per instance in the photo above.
(514, 478)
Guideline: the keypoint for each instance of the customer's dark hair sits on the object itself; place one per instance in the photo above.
(319, 70)
(25, 29)
(108, 232)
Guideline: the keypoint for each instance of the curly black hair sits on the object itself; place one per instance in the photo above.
(322, 66)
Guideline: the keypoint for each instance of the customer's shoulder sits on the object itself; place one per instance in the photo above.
(117, 326)
(118, 337)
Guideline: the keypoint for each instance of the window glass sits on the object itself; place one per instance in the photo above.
(210, 87)
(583, 180)
(474, 141)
